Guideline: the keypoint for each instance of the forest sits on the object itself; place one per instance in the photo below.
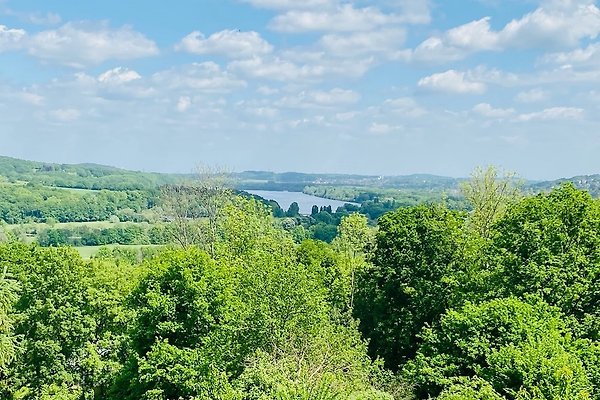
(496, 300)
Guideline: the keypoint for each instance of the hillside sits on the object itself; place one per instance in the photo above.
(95, 177)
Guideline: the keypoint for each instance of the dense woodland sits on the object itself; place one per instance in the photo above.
(496, 301)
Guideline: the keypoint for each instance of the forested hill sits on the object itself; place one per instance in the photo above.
(591, 183)
(94, 176)
(80, 176)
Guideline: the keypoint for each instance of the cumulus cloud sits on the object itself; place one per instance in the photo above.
(404, 106)
(588, 56)
(382, 128)
(486, 110)
(11, 39)
(532, 96)
(320, 98)
(203, 77)
(32, 98)
(290, 4)
(80, 44)
(414, 11)
(385, 41)
(451, 81)
(229, 43)
(552, 25)
(554, 113)
(344, 18)
(65, 114)
(316, 68)
(118, 76)
(184, 103)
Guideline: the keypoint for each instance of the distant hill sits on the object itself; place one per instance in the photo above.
(95, 176)
(591, 183)
(80, 176)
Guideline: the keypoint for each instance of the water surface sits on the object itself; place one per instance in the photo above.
(305, 201)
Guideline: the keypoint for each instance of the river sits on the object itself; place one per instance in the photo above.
(305, 201)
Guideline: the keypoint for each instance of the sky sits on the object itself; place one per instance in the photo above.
(387, 87)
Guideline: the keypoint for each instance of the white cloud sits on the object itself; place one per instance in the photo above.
(475, 35)
(404, 106)
(65, 114)
(588, 56)
(335, 97)
(553, 25)
(79, 44)
(32, 98)
(344, 18)
(275, 69)
(290, 4)
(184, 103)
(267, 91)
(204, 77)
(263, 112)
(230, 43)
(11, 39)
(532, 96)
(414, 11)
(451, 81)
(382, 128)
(118, 76)
(386, 41)
(320, 98)
(318, 67)
(486, 110)
(554, 113)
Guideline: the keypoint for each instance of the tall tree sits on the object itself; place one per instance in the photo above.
(490, 195)
(355, 238)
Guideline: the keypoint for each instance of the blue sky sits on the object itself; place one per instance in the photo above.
(374, 87)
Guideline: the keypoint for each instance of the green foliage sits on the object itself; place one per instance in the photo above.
(456, 309)
(20, 204)
(549, 245)
(412, 281)
(470, 389)
(520, 350)
(9, 289)
(489, 197)
(80, 176)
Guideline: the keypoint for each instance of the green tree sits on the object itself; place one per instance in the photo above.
(414, 278)
(293, 210)
(519, 350)
(490, 196)
(354, 239)
(549, 245)
(52, 318)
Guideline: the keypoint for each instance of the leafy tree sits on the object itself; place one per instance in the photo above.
(549, 245)
(490, 197)
(178, 306)
(293, 210)
(314, 211)
(519, 350)
(355, 238)
(414, 278)
(328, 363)
(51, 318)
(324, 232)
